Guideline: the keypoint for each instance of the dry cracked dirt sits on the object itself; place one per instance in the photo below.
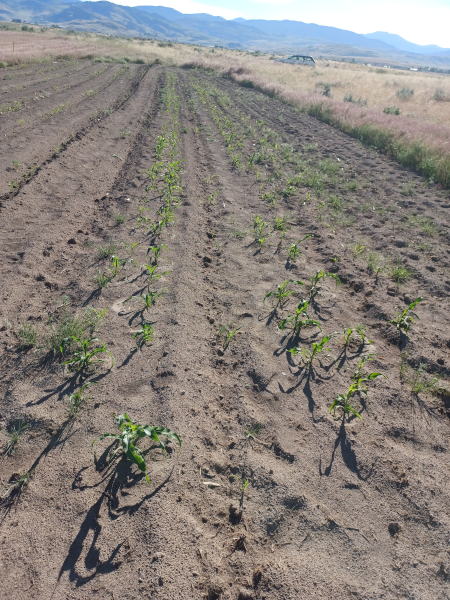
(202, 191)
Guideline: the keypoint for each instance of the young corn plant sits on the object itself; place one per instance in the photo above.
(144, 335)
(282, 293)
(403, 320)
(357, 332)
(294, 250)
(358, 385)
(130, 434)
(299, 320)
(227, 332)
(85, 357)
(308, 356)
(281, 224)
(147, 300)
(76, 400)
(14, 434)
(156, 251)
(151, 272)
(317, 277)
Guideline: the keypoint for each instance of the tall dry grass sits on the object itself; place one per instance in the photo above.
(418, 138)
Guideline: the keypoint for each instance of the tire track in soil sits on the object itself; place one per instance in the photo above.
(62, 128)
(175, 539)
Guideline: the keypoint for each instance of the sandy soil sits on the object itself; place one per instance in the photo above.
(332, 508)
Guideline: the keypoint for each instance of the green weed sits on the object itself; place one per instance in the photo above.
(76, 400)
(119, 218)
(422, 382)
(14, 434)
(18, 484)
(27, 334)
(130, 434)
(399, 272)
(106, 251)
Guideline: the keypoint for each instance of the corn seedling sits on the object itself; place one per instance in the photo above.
(358, 249)
(358, 331)
(342, 401)
(403, 320)
(156, 251)
(144, 334)
(76, 400)
(213, 198)
(151, 272)
(27, 334)
(236, 162)
(228, 333)
(299, 320)
(147, 300)
(317, 277)
(282, 293)
(308, 356)
(130, 434)
(85, 357)
(161, 143)
(19, 483)
(14, 434)
(294, 249)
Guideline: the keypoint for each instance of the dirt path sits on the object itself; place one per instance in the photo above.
(270, 496)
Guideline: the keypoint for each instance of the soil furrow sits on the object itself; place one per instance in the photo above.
(271, 497)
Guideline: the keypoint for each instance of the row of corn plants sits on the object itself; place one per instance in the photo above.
(73, 339)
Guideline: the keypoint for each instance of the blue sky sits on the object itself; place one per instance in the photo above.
(415, 20)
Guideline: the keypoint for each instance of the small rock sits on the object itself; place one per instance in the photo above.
(72, 241)
(40, 277)
(441, 361)
(207, 260)
(407, 299)
(400, 243)
(3, 328)
(435, 259)
(413, 256)
(220, 352)
(394, 528)
(182, 392)
(211, 320)
(391, 291)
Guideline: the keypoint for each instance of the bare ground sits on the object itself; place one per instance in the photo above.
(333, 509)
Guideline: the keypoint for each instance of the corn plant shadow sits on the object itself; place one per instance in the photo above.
(348, 455)
(119, 479)
(68, 386)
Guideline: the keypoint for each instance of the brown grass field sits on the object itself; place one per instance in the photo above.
(199, 198)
